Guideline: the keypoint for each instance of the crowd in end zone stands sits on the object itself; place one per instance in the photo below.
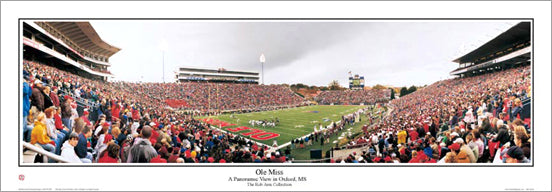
(204, 96)
(463, 120)
(353, 97)
(132, 125)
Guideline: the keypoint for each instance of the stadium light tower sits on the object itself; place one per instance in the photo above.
(262, 59)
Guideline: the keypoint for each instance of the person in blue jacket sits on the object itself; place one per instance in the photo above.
(27, 91)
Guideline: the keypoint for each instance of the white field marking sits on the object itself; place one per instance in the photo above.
(281, 128)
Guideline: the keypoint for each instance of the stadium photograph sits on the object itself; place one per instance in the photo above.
(188, 92)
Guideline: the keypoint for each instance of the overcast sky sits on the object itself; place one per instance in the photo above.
(309, 52)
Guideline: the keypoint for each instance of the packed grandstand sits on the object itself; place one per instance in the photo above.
(75, 115)
(353, 97)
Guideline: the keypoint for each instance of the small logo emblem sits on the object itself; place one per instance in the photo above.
(21, 177)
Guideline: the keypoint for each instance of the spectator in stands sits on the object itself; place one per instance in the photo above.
(401, 137)
(40, 134)
(108, 138)
(515, 155)
(82, 145)
(111, 154)
(54, 96)
(465, 149)
(55, 135)
(456, 155)
(503, 136)
(477, 142)
(37, 97)
(142, 151)
(68, 149)
(46, 95)
(118, 137)
(59, 123)
(84, 116)
(66, 112)
(102, 132)
(521, 139)
(175, 155)
(27, 91)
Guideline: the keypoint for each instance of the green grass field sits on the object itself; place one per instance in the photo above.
(294, 123)
(304, 153)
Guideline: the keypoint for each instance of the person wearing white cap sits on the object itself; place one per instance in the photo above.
(466, 149)
(454, 134)
(37, 98)
(459, 141)
(452, 138)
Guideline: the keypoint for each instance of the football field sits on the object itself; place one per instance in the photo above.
(293, 123)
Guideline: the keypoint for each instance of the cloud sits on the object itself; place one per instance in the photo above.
(309, 52)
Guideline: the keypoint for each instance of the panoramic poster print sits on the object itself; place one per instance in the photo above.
(304, 92)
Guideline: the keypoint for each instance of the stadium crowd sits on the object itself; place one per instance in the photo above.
(132, 125)
(462, 120)
(353, 97)
(207, 96)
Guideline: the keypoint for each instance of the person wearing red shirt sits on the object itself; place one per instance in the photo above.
(255, 147)
(158, 159)
(175, 155)
(426, 126)
(413, 135)
(415, 158)
(116, 109)
(135, 113)
(54, 97)
(85, 117)
(111, 154)
(154, 133)
(59, 123)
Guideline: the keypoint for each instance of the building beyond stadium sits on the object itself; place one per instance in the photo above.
(509, 49)
(70, 46)
(186, 74)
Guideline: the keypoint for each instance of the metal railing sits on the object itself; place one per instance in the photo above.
(43, 152)
(323, 160)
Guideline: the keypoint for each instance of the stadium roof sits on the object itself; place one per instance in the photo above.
(519, 32)
(84, 36)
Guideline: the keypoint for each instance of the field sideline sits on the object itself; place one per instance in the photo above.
(294, 123)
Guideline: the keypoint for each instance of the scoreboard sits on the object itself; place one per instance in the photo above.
(356, 82)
